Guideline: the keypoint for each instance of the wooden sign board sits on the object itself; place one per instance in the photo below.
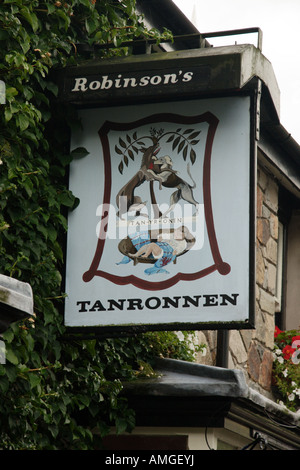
(163, 237)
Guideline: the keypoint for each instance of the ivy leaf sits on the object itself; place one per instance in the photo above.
(22, 121)
(8, 114)
(28, 186)
(66, 19)
(34, 380)
(11, 357)
(121, 425)
(66, 199)
(30, 17)
(10, 93)
(79, 152)
(4, 385)
(91, 25)
(54, 430)
(52, 87)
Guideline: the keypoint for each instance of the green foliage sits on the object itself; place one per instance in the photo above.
(167, 344)
(55, 391)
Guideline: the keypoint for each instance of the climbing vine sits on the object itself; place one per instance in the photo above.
(55, 391)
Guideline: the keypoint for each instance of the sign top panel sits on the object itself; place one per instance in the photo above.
(192, 73)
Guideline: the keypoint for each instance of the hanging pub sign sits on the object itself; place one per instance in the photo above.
(162, 236)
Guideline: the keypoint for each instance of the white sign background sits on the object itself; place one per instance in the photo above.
(87, 303)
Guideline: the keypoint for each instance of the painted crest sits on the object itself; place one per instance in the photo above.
(163, 200)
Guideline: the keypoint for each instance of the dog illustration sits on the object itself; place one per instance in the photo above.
(162, 168)
(184, 190)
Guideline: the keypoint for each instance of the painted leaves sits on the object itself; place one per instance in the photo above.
(128, 148)
(182, 141)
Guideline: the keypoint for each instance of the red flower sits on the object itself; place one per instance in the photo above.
(296, 341)
(296, 338)
(288, 351)
(277, 332)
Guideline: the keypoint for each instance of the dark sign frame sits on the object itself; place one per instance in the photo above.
(99, 95)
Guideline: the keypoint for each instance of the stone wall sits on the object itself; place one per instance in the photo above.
(251, 350)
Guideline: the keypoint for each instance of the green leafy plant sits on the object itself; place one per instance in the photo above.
(56, 392)
(286, 368)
